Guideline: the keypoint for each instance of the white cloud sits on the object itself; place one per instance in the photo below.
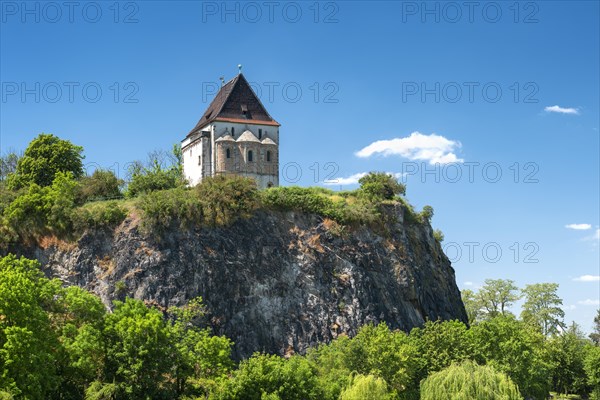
(571, 307)
(594, 237)
(587, 278)
(579, 227)
(589, 302)
(468, 283)
(353, 179)
(562, 110)
(433, 148)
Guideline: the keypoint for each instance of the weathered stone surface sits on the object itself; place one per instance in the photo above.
(277, 282)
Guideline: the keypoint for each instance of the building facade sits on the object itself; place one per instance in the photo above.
(236, 135)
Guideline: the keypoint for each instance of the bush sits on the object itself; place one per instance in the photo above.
(158, 175)
(101, 185)
(319, 201)
(427, 214)
(438, 235)
(367, 387)
(469, 381)
(41, 210)
(377, 186)
(226, 198)
(160, 210)
(99, 216)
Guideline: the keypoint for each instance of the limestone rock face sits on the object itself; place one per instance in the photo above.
(279, 282)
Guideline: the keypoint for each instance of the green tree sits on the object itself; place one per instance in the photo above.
(267, 375)
(517, 349)
(542, 307)
(472, 305)
(367, 387)
(469, 381)
(139, 352)
(28, 345)
(46, 156)
(376, 351)
(442, 343)
(8, 164)
(595, 335)
(496, 296)
(200, 359)
(377, 186)
(568, 353)
(592, 369)
(78, 319)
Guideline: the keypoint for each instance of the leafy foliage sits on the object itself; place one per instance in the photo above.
(262, 376)
(164, 171)
(45, 157)
(216, 201)
(367, 387)
(496, 296)
(515, 348)
(378, 186)
(568, 351)
(542, 307)
(101, 185)
(592, 369)
(469, 381)
(345, 210)
(441, 343)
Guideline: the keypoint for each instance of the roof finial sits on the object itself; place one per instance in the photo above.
(239, 68)
(222, 78)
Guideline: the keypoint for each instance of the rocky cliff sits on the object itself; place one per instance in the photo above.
(278, 282)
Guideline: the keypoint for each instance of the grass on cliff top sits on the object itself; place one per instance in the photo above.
(221, 200)
(217, 201)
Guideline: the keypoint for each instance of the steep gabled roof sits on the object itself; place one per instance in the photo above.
(235, 102)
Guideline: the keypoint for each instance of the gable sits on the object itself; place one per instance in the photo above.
(235, 102)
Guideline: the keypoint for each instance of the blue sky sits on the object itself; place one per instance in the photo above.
(502, 88)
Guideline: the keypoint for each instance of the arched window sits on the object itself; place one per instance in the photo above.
(260, 133)
(228, 153)
(232, 131)
(249, 155)
(268, 156)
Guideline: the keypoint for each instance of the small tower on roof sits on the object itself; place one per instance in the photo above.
(235, 135)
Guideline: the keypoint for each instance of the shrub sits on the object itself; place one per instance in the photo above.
(99, 216)
(319, 201)
(101, 185)
(377, 186)
(226, 198)
(469, 381)
(427, 214)
(438, 235)
(159, 175)
(28, 214)
(162, 209)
